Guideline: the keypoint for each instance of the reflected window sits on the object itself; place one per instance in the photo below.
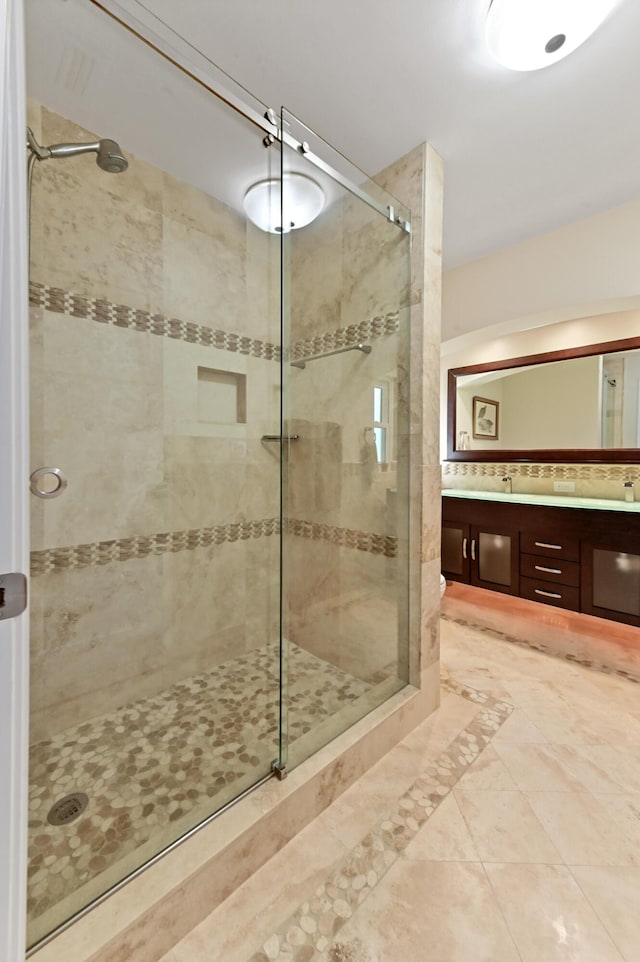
(381, 420)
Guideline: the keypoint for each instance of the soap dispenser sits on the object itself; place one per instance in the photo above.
(628, 490)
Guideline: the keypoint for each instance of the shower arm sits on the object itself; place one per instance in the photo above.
(72, 150)
(58, 150)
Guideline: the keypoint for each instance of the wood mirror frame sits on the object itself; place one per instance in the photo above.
(550, 455)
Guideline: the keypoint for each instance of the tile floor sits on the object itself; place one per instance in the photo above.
(506, 828)
(155, 768)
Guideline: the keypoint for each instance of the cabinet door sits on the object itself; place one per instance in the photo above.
(455, 550)
(494, 558)
(611, 583)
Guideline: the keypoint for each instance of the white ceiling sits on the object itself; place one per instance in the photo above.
(524, 152)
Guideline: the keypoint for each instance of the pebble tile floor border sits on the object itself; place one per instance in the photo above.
(545, 649)
(150, 764)
(308, 934)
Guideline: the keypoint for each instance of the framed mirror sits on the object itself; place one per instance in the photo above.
(579, 404)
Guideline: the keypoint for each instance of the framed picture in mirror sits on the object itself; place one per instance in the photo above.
(485, 418)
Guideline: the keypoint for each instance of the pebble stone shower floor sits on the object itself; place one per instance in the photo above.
(153, 768)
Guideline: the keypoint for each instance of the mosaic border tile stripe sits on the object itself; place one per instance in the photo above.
(99, 309)
(560, 472)
(141, 546)
(308, 933)
(376, 326)
(386, 545)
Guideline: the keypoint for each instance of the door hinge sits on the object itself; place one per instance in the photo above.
(13, 595)
(279, 769)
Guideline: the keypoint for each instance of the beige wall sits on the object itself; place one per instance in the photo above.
(589, 262)
(568, 288)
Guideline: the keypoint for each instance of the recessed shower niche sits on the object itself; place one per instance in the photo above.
(221, 396)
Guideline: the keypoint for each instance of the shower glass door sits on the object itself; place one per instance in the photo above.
(347, 283)
(155, 404)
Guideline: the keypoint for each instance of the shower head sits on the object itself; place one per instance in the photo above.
(109, 156)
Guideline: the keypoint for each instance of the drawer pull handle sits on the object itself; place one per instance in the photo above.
(550, 571)
(464, 548)
(543, 544)
(547, 594)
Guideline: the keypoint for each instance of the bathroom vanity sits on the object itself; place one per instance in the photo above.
(582, 554)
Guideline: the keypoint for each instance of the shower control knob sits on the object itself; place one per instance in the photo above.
(47, 483)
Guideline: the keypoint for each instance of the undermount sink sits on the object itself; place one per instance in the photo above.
(550, 500)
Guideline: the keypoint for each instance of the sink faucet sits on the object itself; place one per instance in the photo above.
(509, 484)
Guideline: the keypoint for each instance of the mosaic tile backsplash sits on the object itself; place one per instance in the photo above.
(591, 480)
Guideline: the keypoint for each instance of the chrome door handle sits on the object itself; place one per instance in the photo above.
(464, 548)
(13, 595)
(473, 549)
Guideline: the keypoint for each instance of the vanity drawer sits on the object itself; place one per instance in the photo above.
(562, 596)
(550, 569)
(550, 546)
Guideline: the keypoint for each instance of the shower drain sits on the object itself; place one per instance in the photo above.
(67, 809)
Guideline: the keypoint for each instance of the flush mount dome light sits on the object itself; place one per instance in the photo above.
(529, 34)
(303, 201)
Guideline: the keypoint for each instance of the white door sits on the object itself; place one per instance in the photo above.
(14, 441)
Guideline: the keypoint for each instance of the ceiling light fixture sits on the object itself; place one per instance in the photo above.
(303, 201)
(529, 34)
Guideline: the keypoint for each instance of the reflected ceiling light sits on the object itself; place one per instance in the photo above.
(529, 34)
(303, 201)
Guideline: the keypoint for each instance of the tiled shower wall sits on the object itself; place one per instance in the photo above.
(351, 266)
(353, 605)
(161, 558)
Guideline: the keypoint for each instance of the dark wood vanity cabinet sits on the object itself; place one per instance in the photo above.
(485, 555)
(580, 559)
(611, 579)
(550, 569)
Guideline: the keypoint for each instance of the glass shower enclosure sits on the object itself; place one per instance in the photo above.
(219, 456)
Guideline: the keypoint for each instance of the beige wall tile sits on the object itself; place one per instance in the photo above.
(204, 275)
(95, 233)
(315, 273)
